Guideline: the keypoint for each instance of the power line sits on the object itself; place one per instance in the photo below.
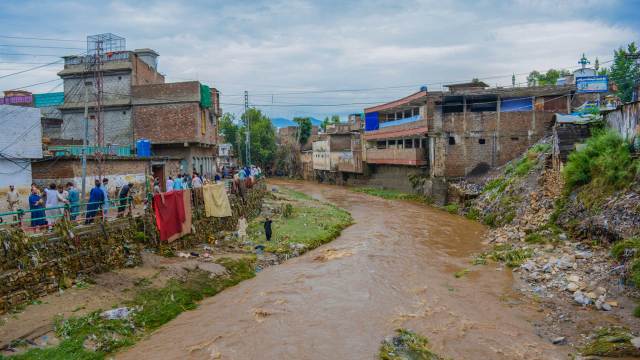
(31, 69)
(42, 47)
(28, 54)
(38, 38)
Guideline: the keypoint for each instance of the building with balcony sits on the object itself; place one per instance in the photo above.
(464, 131)
(337, 155)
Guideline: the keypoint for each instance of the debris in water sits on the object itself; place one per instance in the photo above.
(407, 345)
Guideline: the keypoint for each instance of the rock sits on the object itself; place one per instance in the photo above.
(117, 314)
(580, 298)
(612, 303)
(573, 287)
(591, 295)
(562, 236)
(636, 342)
(565, 262)
(606, 307)
(560, 340)
(600, 291)
(583, 254)
(529, 265)
(547, 267)
(573, 278)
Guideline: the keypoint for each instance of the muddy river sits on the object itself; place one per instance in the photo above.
(393, 268)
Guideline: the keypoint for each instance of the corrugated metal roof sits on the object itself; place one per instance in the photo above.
(49, 99)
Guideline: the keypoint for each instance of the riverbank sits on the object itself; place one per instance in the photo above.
(74, 324)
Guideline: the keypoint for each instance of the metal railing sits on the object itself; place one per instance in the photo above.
(44, 217)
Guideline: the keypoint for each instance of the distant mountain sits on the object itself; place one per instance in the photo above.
(281, 122)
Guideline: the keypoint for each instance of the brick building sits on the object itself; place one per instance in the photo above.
(461, 132)
(180, 120)
(337, 154)
(121, 70)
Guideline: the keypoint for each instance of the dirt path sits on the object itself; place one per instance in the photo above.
(393, 268)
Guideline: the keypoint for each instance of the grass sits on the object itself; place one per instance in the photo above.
(308, 222)
(461, 273)
(391, 194)
(93, 337)
(605, 162)
(636, 311)
(612, 342)
(625, 249)
(473, 214)
(451, 208)
(407, 345)
(504, 253)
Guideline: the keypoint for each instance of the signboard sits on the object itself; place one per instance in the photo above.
(16, 100)
(592, 84)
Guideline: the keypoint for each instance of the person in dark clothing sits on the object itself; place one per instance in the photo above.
(96, 201)
(124, 198)
(267, 229)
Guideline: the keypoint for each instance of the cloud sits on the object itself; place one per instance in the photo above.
(278, 46)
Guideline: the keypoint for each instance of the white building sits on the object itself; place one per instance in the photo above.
(20, 142)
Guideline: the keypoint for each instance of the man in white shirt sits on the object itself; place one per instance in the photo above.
(169, 184)
(53, 200)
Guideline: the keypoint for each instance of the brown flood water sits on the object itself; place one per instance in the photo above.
(393, 268)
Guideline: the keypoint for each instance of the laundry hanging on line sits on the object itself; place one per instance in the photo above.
(216, 201)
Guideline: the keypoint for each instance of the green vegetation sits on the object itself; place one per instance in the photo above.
(613, 342)
(473, 214)
(304, 129)
(93, 337)
(535, 238)
(263, 136)
(628, 248)
(334, 119)
(460, 273)
(407, 345)
(636, 311)
(451, 208)
(504, 253)
(624, 71)
(393, 194)
(536, 78)
(309, 223)
(604, 164)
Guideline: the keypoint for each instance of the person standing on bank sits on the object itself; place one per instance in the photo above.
(124, 199)
(267, 229)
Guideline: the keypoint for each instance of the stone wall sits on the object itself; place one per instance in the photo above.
(32, 266)
(35, 265)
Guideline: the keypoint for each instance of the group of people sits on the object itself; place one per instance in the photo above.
(184, 181)
(50, 204)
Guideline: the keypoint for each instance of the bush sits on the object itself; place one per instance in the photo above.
(626, 248)
(451, 208)
(605, 160)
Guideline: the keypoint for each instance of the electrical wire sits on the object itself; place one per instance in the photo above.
(38, 38)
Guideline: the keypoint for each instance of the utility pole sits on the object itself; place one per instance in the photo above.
(247, 156)
(84, 139)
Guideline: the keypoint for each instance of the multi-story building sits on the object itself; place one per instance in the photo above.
(461, 132)
(180, 120)
(337, 155)
(120, 71)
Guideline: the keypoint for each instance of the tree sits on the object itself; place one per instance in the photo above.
(228, 129)
(625, 71)
(536, 78)
(334, 119)
(263, 138)
(304, 129)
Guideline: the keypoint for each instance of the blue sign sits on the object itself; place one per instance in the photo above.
(592, 84)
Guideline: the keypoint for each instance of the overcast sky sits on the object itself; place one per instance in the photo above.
(291, 52)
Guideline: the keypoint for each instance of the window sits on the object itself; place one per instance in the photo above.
(515, 138)
(424, 143)
(416, 143)
(407, 113)
(391, 144)
(408, 143)
(481, 141)
(452, 140)
(381, 145)
(124, 112)
(119, 77)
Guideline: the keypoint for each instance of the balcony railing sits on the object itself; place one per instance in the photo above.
(416, 156)
(401, 121)
(76, 150)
